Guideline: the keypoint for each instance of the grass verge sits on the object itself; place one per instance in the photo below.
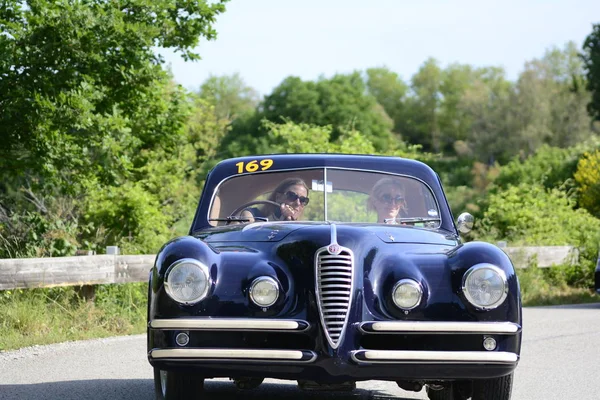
(557, 285)
(43, 316)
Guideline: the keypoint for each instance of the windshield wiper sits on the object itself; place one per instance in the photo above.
(236, 218)
(410, 219)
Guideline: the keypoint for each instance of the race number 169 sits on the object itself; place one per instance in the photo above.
(254, 165)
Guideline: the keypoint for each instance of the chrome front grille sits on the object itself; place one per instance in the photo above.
(334, 281)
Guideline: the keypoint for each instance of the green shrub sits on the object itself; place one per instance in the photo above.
(588, 179)
(551, 167)
(531, 215)
(32, 234)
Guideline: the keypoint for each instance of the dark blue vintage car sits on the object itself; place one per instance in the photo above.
(328, 270)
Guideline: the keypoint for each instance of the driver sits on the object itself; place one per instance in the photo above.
(291, 195)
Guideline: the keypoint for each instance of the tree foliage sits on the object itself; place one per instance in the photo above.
(340, 102)
(92, 120)
(531, 215)
(100, 146)
(82, 90)
(551, 167)
(591, 59)
(588, 179)
(229, 95)
(390, 92)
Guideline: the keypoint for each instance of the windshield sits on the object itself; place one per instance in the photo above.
(325, 194)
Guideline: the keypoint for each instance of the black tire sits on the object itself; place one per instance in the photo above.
(170, 385)
(493, 389)
(446, 393)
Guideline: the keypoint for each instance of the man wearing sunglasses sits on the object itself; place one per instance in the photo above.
(387, 199)
(291, 195)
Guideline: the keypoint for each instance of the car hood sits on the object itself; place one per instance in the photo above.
(277, 231)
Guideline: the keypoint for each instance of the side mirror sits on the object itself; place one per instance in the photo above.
(465, 222)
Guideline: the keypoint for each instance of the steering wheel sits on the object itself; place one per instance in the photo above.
(252, 203)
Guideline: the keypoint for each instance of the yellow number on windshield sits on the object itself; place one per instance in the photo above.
(253, 166)
(266, 163)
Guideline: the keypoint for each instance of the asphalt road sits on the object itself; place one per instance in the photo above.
(560, 360)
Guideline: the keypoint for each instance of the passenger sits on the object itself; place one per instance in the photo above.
(291, 195)
(387, 199)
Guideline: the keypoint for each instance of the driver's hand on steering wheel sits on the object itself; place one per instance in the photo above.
(247, 215)
(289, 213)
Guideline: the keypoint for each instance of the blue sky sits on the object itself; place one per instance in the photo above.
(267, 40)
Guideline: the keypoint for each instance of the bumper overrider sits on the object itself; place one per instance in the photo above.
(353, 359)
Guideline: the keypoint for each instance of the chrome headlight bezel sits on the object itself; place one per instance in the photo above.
(413, 284)
(259, 280)
(499, 272)
(203, 269)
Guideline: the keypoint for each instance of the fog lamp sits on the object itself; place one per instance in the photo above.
(264, 291)
(407, 294)
(182, 339)
(489, 343)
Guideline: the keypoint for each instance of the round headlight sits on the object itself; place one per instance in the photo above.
(485, 286)
(407, 294)
(187, 281)
(264, 291)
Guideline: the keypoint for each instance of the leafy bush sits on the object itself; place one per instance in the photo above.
(131, 217)
(588, 179)
(33, 234)
(551, 167)
(552, 286)
(531, 215)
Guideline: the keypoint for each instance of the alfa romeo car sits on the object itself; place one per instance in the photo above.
(330, 269)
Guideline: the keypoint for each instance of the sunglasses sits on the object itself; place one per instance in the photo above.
(387, 198)
(293, 196)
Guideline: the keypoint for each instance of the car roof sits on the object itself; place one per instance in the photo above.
(365, 162)
(389, 164)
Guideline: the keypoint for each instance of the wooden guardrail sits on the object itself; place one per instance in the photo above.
(85, 271)
(23, 273)
(542, 256)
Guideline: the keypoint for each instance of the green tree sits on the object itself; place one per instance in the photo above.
(229, 95)
(421, 122)
(92, 125)
(290, 137)
(456, 79)
(551, 167)
(550, 101)
(486, 104)
(591, 59)
(390, 92)
(81, 89)
(341, 102)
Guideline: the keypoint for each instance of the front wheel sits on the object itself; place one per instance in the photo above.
(441, 393)
(493, 389)
(171, 385)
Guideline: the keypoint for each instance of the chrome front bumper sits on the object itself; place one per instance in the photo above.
(444, 327)
(360, 357)
(231, 324)
(235, 354)
(433, 357)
